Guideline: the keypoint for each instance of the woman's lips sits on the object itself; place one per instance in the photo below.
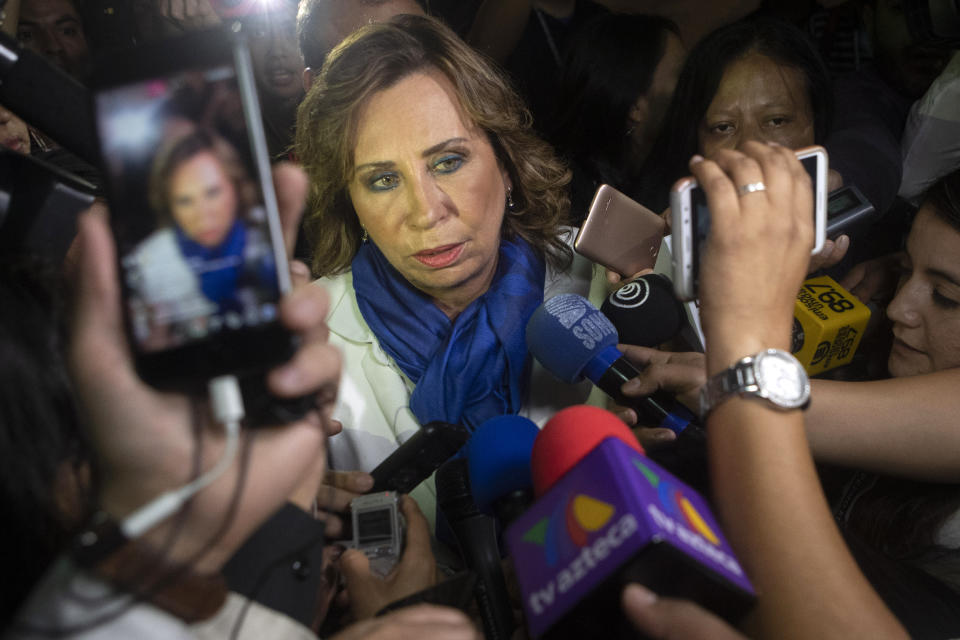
(439, 257)
(14, 143)
(903, 346)
(281, 77)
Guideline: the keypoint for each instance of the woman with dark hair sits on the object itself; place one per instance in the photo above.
(435, 219)
(757, 79)
(619, 76)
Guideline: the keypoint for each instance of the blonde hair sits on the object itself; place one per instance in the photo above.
(375, 58)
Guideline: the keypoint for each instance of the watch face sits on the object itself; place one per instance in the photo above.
(782, 379)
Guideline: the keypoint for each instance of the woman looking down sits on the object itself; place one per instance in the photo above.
(436, 228)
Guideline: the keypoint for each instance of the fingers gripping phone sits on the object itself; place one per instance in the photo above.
(193, 212)
(620, 233)
(690, 220)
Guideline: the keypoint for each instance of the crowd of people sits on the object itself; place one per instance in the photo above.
(432, 160)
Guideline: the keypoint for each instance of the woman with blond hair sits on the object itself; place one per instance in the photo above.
(436, 224)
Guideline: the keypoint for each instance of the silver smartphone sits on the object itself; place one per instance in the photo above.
(690, 220)
(620, 233)
(378, 529)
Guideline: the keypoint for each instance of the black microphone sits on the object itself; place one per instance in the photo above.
(49, 98)
(476, 535)
(646, 312)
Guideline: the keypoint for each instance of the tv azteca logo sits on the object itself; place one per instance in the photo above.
(676, 504)
(582, 515)
(579, 517)
(680, 518)
(582, 532)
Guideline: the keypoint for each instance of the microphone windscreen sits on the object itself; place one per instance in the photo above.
(570, 435)
(566, 332)
(499, 453)
(828, 323)
(645, 311)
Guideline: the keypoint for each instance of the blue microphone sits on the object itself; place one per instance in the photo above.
(498, 454)
(574, 340)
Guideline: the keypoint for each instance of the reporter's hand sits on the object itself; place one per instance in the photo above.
(757, 251)
(673, 619)
(421, 622)
(874, 280)
(145, 440)
(832, 253)
(680, 373)
(334, 496)
(615, 280)
(834, 180)
(416, 570)
(188, 15)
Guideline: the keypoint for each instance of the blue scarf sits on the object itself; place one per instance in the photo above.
(467, 371)
(218, 268)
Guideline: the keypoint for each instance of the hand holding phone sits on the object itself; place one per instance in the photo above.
(195, 217)
(691, 220)
(143, 437)
(757, 251)
(416, 569)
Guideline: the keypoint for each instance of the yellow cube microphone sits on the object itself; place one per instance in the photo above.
(828, 323)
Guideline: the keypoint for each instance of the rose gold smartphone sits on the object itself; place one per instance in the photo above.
(690, 220)
(620, 233)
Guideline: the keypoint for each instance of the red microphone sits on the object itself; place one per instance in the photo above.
(606, 515)
(569, 436)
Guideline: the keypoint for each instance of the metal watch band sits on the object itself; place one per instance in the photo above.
(740, 380)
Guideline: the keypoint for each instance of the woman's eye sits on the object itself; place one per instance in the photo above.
(448, 164)
(943, 301)
(721, 128)
(383, 181)
(778, 121)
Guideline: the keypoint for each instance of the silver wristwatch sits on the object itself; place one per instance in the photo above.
(773, 375)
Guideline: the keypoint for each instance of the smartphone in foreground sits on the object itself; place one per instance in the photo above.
(690, 220)
(620, 233)
(193, 211)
